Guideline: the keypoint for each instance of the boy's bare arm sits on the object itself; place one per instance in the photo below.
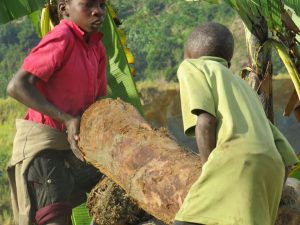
(22, 88)
(205, 132)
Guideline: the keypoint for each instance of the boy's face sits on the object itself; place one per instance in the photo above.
(87, 14)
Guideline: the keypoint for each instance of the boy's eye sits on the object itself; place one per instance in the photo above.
(95, 3)
(102, 5)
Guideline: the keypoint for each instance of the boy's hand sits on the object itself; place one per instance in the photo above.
(72, 126)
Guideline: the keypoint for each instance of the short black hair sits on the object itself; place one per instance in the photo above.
(210, 39)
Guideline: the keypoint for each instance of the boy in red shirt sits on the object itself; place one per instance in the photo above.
(62, 76)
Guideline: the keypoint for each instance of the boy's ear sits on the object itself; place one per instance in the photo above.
(63, 9)
(186, 54)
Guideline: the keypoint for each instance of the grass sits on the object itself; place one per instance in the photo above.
(9, 111)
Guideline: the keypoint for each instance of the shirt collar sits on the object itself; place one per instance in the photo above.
(93, 37)
(217, 59)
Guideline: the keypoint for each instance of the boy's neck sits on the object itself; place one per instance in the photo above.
(86, 37)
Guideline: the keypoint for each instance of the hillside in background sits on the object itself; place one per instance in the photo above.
(156, 31)
(16, 40)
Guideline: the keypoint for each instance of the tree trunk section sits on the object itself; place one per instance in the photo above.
(260, 77)
(148, 164)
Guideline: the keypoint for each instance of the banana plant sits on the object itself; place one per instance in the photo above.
(270, 24)
(271, 17)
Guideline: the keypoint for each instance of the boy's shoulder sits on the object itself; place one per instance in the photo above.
(194, 64)
(206, 66)
(205, 61)
(60, 31)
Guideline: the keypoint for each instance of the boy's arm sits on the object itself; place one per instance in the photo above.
(22, 88)
(205, 133)
(285, 149)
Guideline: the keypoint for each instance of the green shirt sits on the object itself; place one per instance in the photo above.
(209, 85)
(242, 180)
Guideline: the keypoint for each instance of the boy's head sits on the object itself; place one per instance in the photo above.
(87, 14)
(210, 39)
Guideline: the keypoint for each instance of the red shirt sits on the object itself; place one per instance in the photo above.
(71, 72)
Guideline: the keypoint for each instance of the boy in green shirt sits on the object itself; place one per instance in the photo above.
(244, 156)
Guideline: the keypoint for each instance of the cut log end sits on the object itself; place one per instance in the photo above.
(108, 204)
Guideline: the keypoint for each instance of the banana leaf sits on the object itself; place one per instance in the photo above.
(80, 215)
(14, 9)
(287, 61)
(120, 81)
(295, 18)
(252, 11)
(294, 4)
(295, 173)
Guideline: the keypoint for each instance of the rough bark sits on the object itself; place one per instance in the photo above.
(155, 172)
(260, 77)
(148, 164)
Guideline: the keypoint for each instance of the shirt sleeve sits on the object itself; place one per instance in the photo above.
(47, 56)
(195, 94)
(284, 148)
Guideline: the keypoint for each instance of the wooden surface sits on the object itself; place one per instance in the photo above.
(148, 164)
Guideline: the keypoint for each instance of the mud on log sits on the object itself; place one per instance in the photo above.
(148, 164)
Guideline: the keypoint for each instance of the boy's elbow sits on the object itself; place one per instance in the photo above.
(14, 87)
(11, 87)
(17, 83)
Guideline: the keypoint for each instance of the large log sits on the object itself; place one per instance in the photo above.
(148, 164)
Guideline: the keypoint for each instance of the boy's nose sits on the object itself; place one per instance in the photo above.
(98, 11)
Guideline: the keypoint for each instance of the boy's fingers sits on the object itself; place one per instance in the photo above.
(78, 154)
(75, 150)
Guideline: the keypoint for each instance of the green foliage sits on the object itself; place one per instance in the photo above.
(156, 31)
(11, 10)
(251, 12)
(16, 40)
(294, 4)
(120, 82)
(9, 111)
